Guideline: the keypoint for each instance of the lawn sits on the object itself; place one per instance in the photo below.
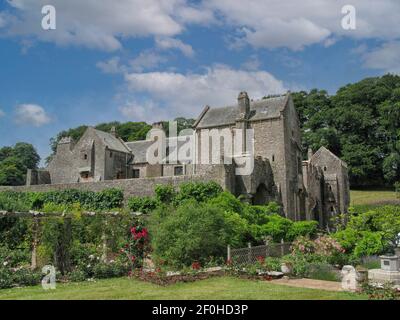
(213, 288)
(373, 197)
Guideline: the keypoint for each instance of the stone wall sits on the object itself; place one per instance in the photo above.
(222, 174)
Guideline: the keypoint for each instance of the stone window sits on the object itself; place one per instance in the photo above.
(273, 158)
(178, 170)
(85, 175)
(85, 156)
(136, 173)
(325, 168)
(111, 154)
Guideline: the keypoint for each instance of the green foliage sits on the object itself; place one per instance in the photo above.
(397, 188)
(302, 228)
(165, 193)
(142, 204)
(360, 124)
(199, 191)
(14, 161)
(371, 243)
(192, 232)
(104, 200)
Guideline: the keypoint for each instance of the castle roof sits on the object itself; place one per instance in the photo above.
(111, 142)
(259, 110)
(324, 150)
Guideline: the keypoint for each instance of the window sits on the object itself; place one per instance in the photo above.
(85, 156)
(178, 170)
(325, 168)
(85, 175)
(273, 158)
(111, 154)
(330, 188)
(136, 173)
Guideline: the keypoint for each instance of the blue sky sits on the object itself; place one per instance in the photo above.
(155, 60)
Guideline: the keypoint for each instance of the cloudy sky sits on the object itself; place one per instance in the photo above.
(134, 60)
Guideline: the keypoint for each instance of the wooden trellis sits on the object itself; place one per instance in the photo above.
(64, 263)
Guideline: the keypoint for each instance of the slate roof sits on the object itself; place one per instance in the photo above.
(112, 142)
(259, 110)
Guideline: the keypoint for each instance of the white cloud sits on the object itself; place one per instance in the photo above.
(186, 94)
(253, 63)
(386, 57)
(101, 24)
(259, 23)
(277, 23)
(148, 111)
(166, 43)
(31, 114)
(111, 66)
(146, 60)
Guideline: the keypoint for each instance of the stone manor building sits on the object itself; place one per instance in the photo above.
(317, 188)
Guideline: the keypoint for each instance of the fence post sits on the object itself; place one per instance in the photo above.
(282, 247)
(228, 254)
(249, 252)
(105, 242)
(35, 242)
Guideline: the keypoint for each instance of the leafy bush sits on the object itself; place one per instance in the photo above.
(192, 232)
(165, 193)
(371, 243)
(199, 191)
(302, 228)
(142, 204)
(397, 188)
(23, 201)
(110, 270)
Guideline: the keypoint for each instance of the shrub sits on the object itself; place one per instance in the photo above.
(165, 193)
(192, 232)
(371, 243)
(302, 228)
(227, 202)
(277, 227)
(199, 191)
(77, 275)
(142, 204)
(397, 189)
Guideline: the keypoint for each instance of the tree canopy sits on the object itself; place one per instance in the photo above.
(360, 124)
(14, 161)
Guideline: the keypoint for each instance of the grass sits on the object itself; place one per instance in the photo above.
(373, 198)
(213, 288)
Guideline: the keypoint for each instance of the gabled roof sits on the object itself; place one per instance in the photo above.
(259, 110)
(325, 150)
(110, 141)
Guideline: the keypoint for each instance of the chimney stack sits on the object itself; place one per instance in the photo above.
(244, 104)
(113, 131)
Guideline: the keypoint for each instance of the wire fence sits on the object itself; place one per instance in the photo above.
(251, 254)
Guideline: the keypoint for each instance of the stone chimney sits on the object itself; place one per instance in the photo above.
(158, 125)
(113, 131)
(244, 104)
(65, 144)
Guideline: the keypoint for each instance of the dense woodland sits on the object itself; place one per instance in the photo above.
(360, 124)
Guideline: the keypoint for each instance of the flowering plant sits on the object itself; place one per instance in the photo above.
(137, 247)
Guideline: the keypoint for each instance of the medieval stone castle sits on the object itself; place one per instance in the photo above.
(317, 188)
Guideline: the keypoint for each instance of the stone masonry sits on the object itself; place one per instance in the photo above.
(315, 189)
